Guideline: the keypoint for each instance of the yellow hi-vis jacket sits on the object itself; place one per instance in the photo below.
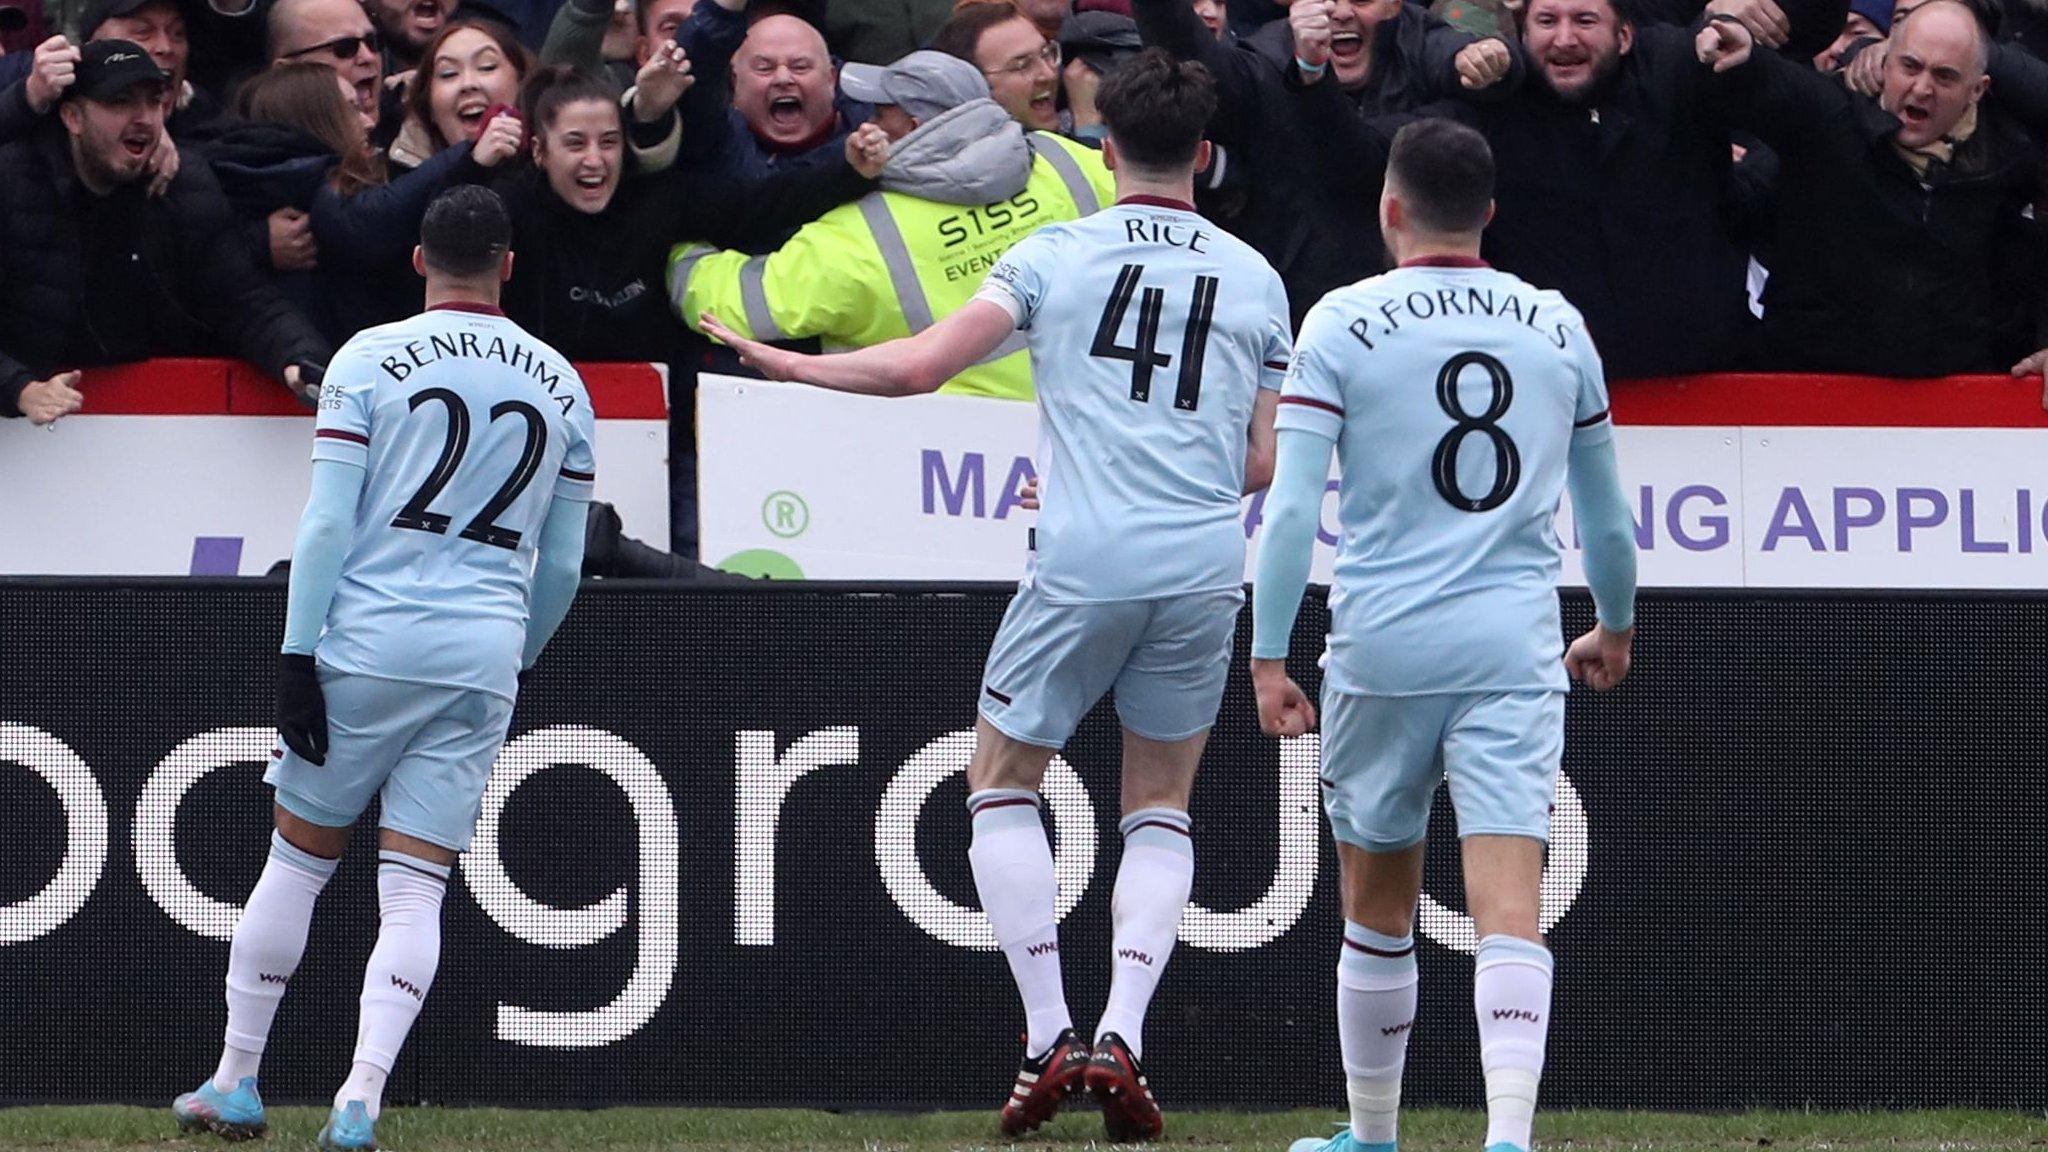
(890, 265)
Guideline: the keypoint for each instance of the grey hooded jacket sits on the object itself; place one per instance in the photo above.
(973, 154)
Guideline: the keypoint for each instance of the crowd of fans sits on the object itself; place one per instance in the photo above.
(1818, 185)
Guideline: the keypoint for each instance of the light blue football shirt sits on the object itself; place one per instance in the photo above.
(1453, 394)
(1151, 331)
(468, 428)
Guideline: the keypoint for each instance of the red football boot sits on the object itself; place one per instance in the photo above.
(1044, 1081)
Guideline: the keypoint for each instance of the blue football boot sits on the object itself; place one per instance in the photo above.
(1343, 1141)
(236, 1115)
(349, 1129)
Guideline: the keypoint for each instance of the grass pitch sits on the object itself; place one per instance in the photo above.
(120, 1129)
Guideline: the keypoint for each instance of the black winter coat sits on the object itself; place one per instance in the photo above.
(595, 286)
(88, 280)
(1319, 236)
(365, 241)
(1624, 207)
(1619, 205)
(1877, 270)
(1413, 67)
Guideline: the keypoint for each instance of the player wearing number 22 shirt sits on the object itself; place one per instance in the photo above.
(1158, 343)
(439, 549)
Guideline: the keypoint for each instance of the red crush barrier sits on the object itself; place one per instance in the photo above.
(190, 387)
(159, 388)
(182, 387)
(1788, 400)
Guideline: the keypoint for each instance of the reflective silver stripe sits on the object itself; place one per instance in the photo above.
(754, 301)
(917, 311)
(1063, 162)
(1017, 341)
(679, 270)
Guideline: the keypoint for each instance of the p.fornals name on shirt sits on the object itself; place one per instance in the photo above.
(466, 345)
(1462, 301)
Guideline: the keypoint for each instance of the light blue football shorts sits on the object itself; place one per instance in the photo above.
(1383, 757)
(425, 748)
(1166, 659)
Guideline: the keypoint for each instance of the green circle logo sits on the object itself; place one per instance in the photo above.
(785, 514)
(762, 564)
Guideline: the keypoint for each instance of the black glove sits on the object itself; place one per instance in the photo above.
(301, 709)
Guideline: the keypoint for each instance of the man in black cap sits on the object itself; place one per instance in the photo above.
(159, 27)
(1092, 43)
(93, 271)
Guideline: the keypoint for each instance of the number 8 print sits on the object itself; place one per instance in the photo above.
(1507, 461)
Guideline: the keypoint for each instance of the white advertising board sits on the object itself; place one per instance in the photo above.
(798, 481)
(218, 495)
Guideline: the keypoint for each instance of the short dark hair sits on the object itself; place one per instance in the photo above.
(1157, 108)
(961, 35)
(550, 90)
(1444, 171)
(466, 231)
(1624, 13)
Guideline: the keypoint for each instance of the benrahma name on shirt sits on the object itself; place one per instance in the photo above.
(1467, 301)
(465, 345)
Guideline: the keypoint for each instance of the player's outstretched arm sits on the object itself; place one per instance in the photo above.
(908, 367)
(557, 573)
(325, 529)
(1287, 541)
(1607, 535)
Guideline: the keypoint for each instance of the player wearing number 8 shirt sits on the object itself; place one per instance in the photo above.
(1460, 402)
(1157, 347)
(439, 550)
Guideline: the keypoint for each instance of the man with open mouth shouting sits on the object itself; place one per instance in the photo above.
(407, 26)
(786, 109)
(1022, 66)
(1613, 162)
(1898, 218)
(339, 35)
(95, 271)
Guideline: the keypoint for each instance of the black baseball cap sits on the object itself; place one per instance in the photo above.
(1099, 38)
(100, 11)
(108, 68)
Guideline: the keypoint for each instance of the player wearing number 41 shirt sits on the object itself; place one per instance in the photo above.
(1157, 347)
(1460, 402)
(439, 550)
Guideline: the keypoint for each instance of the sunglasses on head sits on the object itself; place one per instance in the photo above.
(343, 47)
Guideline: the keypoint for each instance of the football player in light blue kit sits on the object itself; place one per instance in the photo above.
(440, 548)
(1157, 343)
(1461, 402)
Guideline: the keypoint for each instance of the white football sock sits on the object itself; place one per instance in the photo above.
(366, 1083)
(400, 971)
(1013, 872)
(1375, 1014)
(1152, 885)
(268, 943)
(1511, 993)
